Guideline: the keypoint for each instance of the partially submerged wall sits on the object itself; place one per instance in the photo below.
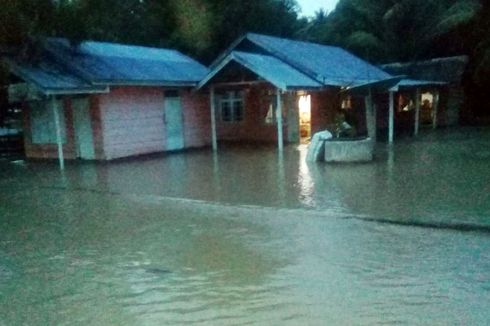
(349, 150)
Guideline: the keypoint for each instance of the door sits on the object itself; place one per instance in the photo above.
(173, 121)
(84, 141)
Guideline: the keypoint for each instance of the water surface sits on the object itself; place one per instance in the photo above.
(251, 237)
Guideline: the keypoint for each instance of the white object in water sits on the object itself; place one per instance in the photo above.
(316, 149)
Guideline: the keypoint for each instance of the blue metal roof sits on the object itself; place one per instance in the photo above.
(327, 64)
(50, 78)
(415, 83)
(108, 63)
(267, 67)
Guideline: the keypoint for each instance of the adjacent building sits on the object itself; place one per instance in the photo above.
(274, 89)
(441, 100)
(105, 101)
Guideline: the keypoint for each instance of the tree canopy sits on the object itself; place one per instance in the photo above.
(377, 30)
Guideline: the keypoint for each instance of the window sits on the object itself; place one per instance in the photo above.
(270, 111)
(231, 105)
(43, 128)
(346, 103)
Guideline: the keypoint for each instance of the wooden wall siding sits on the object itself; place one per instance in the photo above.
(253, 126)
(97, 127)
(49, 151)
(197, 119)
(404, 121)
(132, 121)
(453, 105)
(324, 107)
(129, 121)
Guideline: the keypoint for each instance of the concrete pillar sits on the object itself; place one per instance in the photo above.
(280, 141)
(370, 116)
(435, 108)
(212, 103)
(293, 117)
(391, 121)
(59, 140)
(417, 112)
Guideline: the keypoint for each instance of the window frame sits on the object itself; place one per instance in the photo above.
(42, 124)
(235, 101)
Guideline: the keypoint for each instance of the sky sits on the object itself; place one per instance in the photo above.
(309, 7)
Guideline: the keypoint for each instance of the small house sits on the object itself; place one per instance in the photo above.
(266, 88)
(103, 101)
(441, 100)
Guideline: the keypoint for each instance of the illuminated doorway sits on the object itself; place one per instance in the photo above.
(304, 104)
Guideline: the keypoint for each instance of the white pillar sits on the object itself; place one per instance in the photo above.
(280, 142)
(59, 140)
(213, 119)
(435, 108)
(417, 112)
(370, 116)
(391, 121)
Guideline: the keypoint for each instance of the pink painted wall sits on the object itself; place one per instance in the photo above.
(197, 119)
(128, 121)
(132, 120)
(49, 151)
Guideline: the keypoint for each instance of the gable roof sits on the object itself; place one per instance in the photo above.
(267, 67)
(329, 65)
(50, 78)
(326, 65)
(118, 64)
(89, 67)
(447, 70)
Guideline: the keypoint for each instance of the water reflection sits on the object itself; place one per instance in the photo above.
(226, 239)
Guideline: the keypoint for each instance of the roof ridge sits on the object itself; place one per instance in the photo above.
(115, 44)
(297, 41)
(431, 60)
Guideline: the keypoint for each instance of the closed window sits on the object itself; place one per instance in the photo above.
(43, 127)
(231, 104)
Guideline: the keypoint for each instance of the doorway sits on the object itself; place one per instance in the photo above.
(173, 121)
(84, 141)
(304, 106)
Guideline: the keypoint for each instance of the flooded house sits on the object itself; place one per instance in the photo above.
(265, 88)
(105, 101)
(441, 100)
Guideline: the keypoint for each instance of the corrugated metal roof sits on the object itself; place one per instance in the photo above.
(108, 63)
(327, 64)
(267, 67)
(415, 82)
(51, 78)
(448, 69)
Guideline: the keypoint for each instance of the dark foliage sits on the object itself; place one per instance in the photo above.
(377, 30)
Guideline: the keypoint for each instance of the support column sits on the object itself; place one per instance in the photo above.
(370, 116)
(280, 141)
(59, 140)
(391, 121)
(417, 112)
(435, 108)
(214, 137)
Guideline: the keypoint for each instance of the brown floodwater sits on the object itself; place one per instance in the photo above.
(249, 236)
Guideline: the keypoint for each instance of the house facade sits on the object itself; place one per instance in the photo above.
(266, 88)
(441, 100)
(103, 101)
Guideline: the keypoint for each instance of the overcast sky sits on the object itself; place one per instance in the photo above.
(309, 7)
